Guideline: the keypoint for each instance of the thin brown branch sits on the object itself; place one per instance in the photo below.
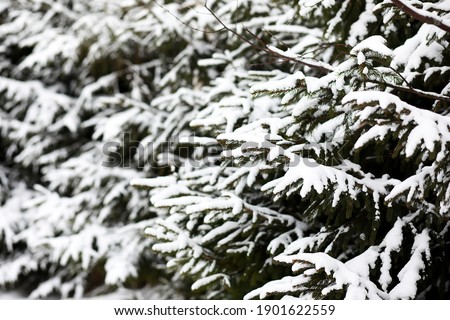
(261, 46)
(418, 92)
(421, 15)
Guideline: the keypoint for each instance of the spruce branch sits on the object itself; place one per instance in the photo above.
(421, 15)
(259, 44)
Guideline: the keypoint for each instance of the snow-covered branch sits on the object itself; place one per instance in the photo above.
(423, 15)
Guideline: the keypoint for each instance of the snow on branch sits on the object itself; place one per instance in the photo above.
(428, 128)
(355, 274)
(422, 15)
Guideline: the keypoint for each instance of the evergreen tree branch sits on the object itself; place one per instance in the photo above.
(259, 44)
(421, 15)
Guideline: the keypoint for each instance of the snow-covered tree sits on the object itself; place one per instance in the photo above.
(334, 158)
(288, 148)
(77, 83)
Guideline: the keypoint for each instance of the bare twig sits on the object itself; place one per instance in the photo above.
(411, 89)
(261, 46)
(181, 21)
(421, 15)
(417, 92)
